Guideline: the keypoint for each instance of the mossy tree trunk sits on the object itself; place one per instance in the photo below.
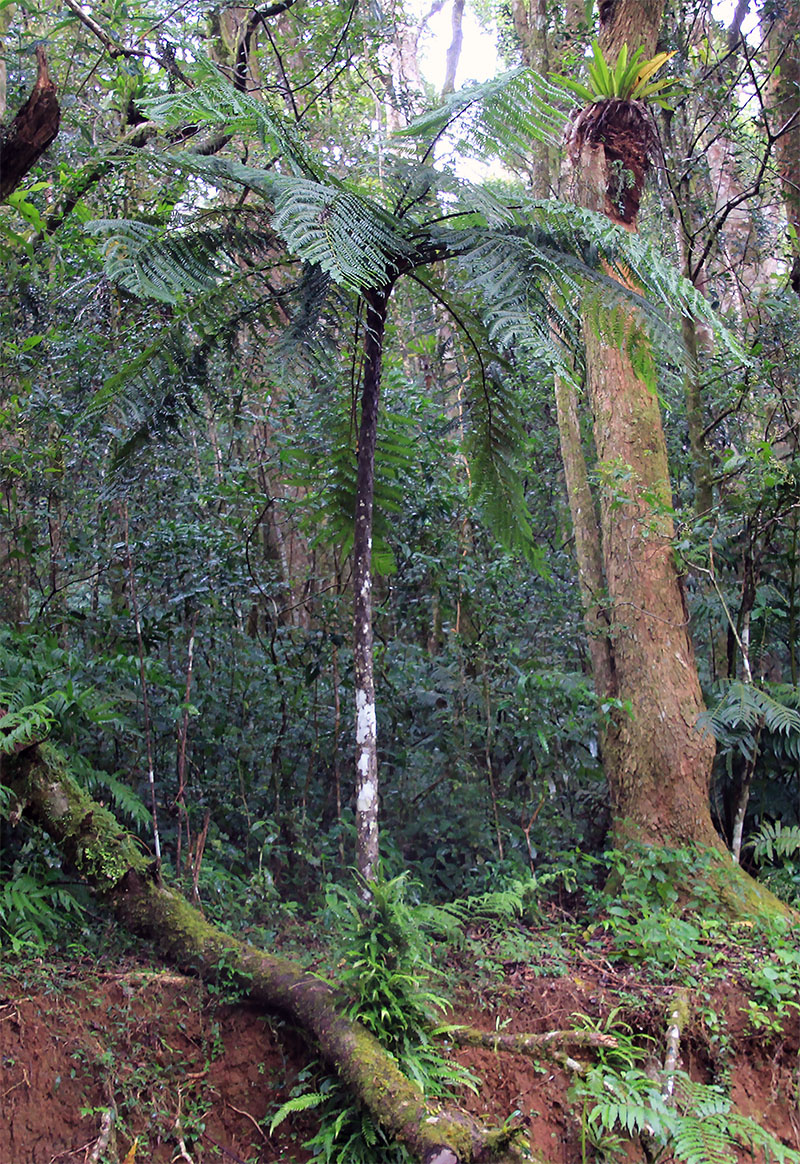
(657, 761)
(92, 842)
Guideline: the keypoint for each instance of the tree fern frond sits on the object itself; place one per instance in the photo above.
(494, 444)
(345, 234)
(502, 115)
(215, 103)
(159, 263)
(329, 475)
(746, 706)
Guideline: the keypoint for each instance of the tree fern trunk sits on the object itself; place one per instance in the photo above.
(366, 727)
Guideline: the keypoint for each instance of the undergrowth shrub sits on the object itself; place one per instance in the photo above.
(384, 967)
(672, 1116)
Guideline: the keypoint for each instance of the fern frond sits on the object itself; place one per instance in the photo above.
(215, 103)
(329, 476)
(299, 1103)
(343, 233)
(499, 116)
(160, 263)
(746, 706)
(22, 724)
(125, 800)
(771, 840)
(494, 443)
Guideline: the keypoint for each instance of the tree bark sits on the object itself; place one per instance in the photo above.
(588, 553)
(657, 761)
(781, 24)
(377, 303)
(31, 131)
(635, 23)
(110, 860)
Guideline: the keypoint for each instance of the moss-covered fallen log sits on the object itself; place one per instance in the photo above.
(111, 862)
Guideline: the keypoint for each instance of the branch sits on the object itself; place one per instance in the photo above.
(735, 30)
(31, 131)
(545, 1046)
(115, 48)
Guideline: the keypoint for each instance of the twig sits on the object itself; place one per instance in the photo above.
(252, 1119)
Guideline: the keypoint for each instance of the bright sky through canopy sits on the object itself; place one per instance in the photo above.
(479, 56)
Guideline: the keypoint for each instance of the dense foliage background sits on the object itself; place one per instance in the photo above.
(178, 466)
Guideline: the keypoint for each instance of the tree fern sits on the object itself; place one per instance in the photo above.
(535, 265)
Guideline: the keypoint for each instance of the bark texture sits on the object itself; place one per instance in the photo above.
(657, 760)
(93, 843)
(588, 553)
(366, 721)
(31, 131)
(781, 24)
(632, 22)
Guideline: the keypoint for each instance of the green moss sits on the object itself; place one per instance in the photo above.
(741, 895)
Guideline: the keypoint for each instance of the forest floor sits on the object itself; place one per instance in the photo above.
(198, 1077)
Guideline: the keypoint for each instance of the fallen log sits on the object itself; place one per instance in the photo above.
(113, 864)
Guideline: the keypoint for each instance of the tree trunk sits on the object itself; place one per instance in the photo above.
(366, 723)
(109, 859)
(635, 23)
(588, 554)
(781, 24)
(657, 761)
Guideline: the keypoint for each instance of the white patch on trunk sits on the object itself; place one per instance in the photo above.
(366, 797)
(366, 722)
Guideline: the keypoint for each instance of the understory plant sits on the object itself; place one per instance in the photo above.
(384, 967)
(776, 850)
(673, 1117)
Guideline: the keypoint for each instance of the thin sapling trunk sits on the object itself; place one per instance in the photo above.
(366, 728)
